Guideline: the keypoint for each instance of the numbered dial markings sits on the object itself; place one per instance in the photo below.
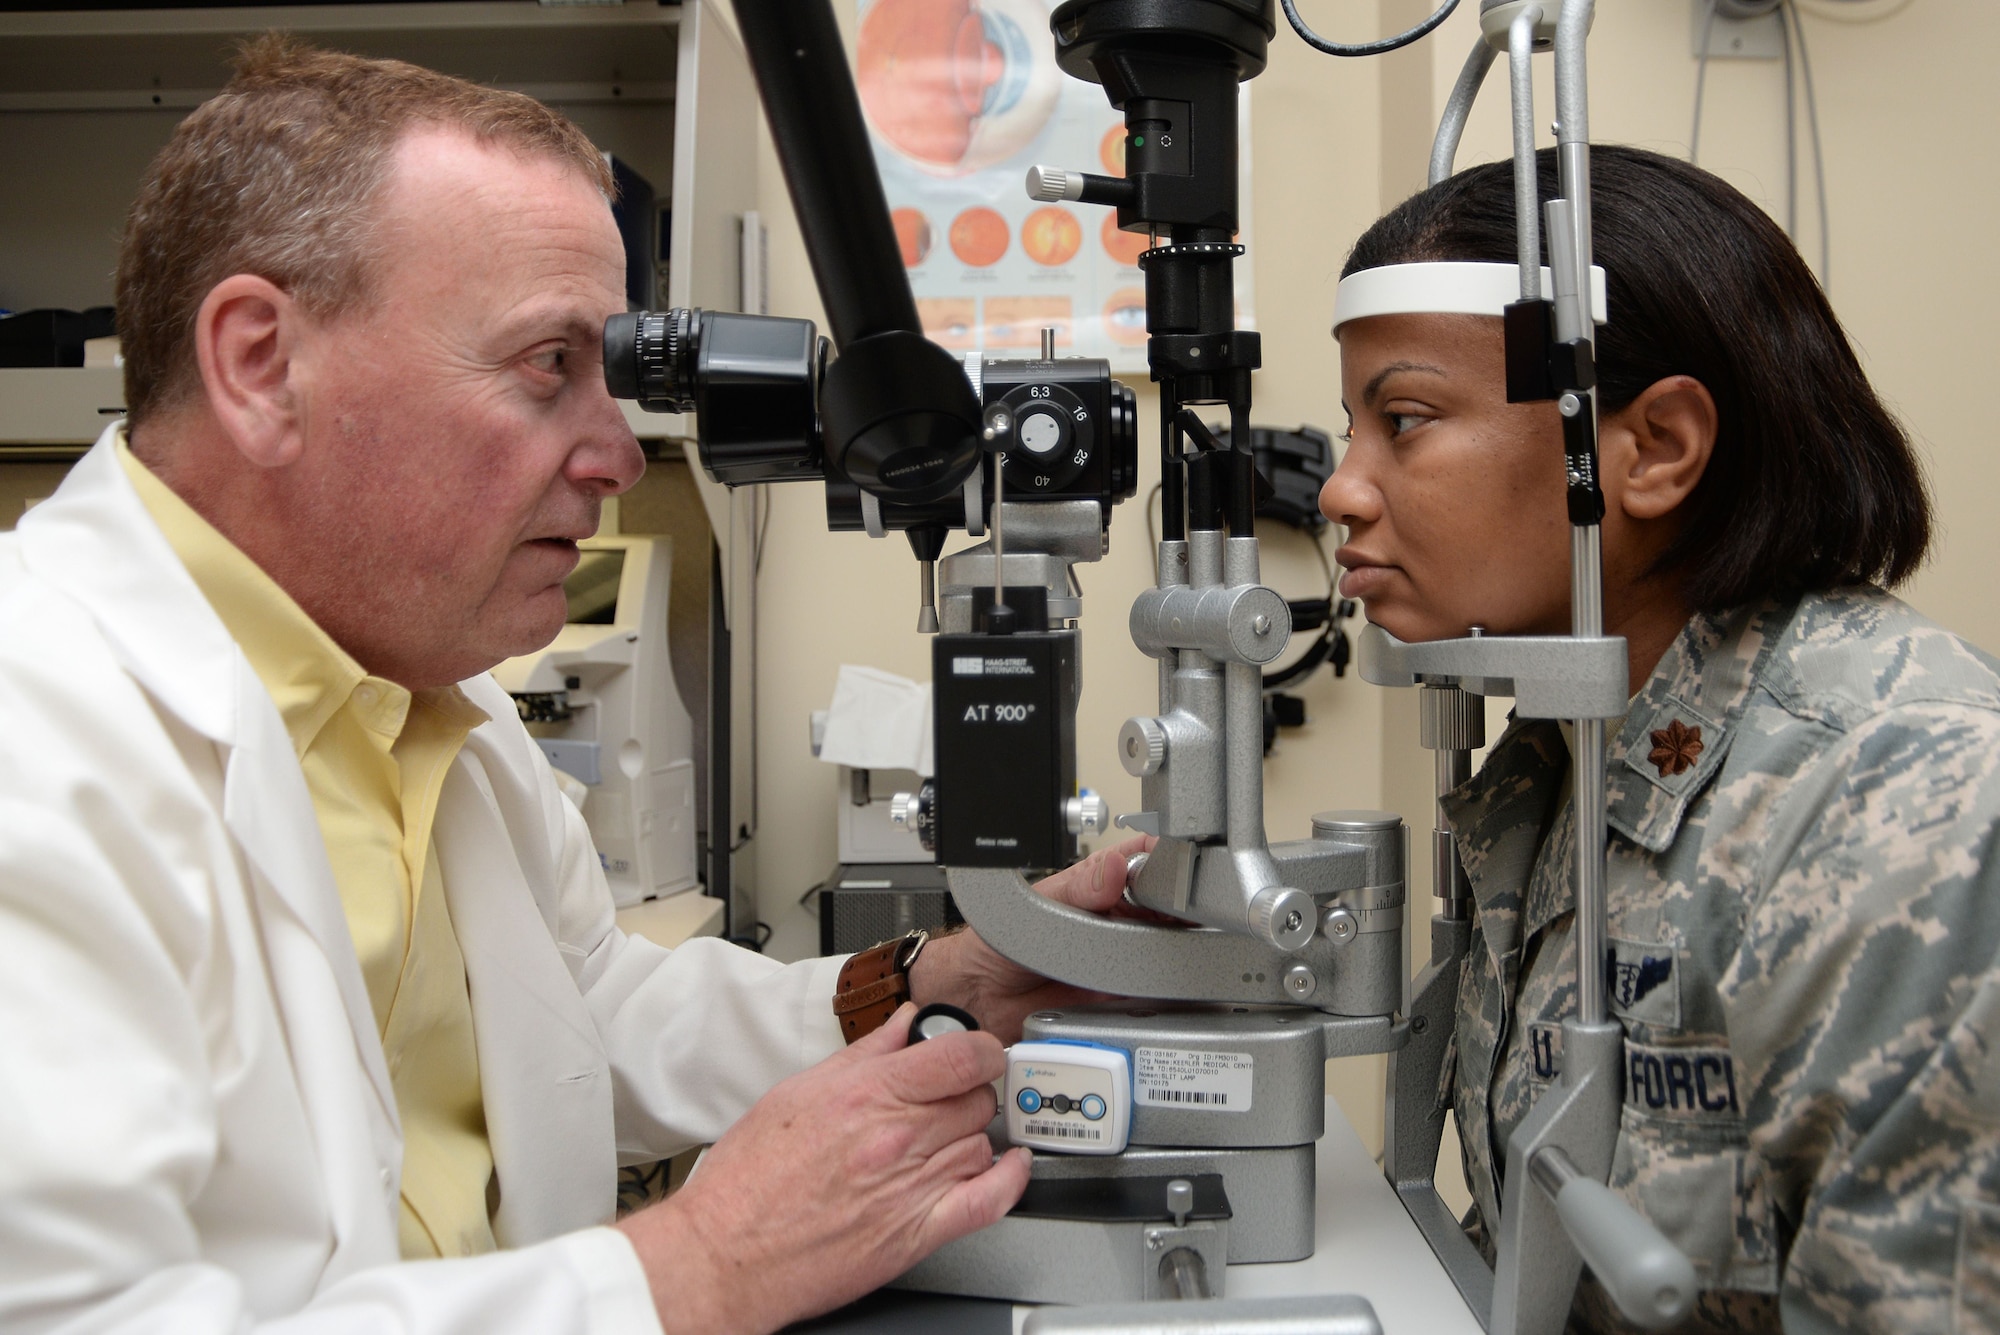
(1056, 434)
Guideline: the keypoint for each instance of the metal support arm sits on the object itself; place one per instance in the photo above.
(1549, 676)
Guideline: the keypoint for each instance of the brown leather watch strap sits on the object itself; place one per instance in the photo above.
(873, 984)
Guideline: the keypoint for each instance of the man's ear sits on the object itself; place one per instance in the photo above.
(246, 339)
(1669, 437)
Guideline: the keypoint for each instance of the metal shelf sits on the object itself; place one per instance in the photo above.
(41, 406)
(175, 59)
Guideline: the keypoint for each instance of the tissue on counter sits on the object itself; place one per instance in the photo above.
(878, 721)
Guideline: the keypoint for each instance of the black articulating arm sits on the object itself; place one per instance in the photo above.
(899, 416)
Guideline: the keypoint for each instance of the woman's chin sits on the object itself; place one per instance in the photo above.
(1408, 624)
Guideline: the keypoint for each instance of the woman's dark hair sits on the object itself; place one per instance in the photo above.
(1813, 483)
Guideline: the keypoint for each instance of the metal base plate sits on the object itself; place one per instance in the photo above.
(1082, 1241)
(1270, 1191)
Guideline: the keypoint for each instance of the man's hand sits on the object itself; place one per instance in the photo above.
(837, 1181)
(968, 973)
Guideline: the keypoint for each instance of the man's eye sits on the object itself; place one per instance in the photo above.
(549, 362)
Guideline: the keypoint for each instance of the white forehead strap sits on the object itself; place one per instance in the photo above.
(1443, 288)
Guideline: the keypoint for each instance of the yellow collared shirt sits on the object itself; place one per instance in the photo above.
(374, 756)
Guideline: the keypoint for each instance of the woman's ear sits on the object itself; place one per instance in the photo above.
(1658, 446)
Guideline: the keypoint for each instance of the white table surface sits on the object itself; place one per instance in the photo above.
(1365, 1243)
(674, 919)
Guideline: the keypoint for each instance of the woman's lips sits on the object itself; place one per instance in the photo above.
(1364, 581)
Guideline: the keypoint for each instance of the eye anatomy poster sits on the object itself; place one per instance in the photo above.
(961, 98)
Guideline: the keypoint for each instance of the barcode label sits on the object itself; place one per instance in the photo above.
(1193, 1079)
(1065, 1131)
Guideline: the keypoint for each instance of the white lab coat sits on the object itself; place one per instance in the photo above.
(197, 1129)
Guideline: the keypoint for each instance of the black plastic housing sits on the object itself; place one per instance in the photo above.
(753, 382)
(900, 418)
(1074, 430)
(1006, 748)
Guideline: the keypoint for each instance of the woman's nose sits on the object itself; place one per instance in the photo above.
(1348, 497)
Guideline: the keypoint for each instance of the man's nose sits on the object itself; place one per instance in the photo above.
(609, 456)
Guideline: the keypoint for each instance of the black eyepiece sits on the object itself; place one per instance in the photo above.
(650, 356)
(621, 355)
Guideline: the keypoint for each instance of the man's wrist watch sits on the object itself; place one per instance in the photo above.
(875, 982)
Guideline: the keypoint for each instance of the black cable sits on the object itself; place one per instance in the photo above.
(1700, 86)
(1791, 131)
(1819, 160)
(1396, 43)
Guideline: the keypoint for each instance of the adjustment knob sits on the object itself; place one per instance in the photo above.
(917, 812)
(1049, 184)
(1142, 746)
(1285, 918)
(1087, 814)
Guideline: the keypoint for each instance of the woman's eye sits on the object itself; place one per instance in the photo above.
(1401, 422)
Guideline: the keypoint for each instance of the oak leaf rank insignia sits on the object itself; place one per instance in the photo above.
(1675, 748)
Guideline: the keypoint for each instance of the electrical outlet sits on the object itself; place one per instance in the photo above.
(1760, 38)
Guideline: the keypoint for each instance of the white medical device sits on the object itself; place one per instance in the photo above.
(1074, 1098)
(601, 703)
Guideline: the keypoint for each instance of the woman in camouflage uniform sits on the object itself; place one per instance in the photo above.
(1803, 887)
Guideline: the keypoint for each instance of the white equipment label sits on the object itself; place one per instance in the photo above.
(1066, 1131)
(1184, 1078)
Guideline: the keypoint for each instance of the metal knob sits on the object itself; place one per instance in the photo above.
(903, 810)
(1180, 1200)
(1451, 719)
(1286, 918)
(1142, 746)
(1049, 184)
(1340, 926)
(1085, 814)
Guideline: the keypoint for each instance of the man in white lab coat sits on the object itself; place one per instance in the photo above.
(306, 968)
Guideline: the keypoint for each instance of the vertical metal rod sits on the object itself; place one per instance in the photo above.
(1527, 195)
(999, 533)
(1242, 471)
(1243, 715)
(927, 618)
(1452, 724)
(1451, 128)
(1586, 547)
(1048, 344)
(1573, 134)
(1447, 877)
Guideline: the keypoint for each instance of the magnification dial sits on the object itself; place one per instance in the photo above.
(1055, 435)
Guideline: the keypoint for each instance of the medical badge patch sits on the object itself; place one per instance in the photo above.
(1641, 978)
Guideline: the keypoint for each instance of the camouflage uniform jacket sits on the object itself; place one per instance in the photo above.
(1804, 918)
